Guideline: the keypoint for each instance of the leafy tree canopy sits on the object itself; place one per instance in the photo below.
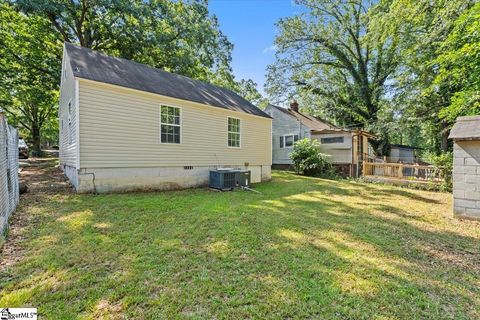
(328, 51)
(393, 67)
(416, 97)
(177, 36)
(248, 90)
(29, 71)
(459, 66)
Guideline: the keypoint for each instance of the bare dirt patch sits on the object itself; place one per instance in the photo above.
(43, 177)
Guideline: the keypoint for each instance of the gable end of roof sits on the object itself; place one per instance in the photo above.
(311, 122)
(466, 128)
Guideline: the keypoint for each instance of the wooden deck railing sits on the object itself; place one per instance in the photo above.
(402, 171)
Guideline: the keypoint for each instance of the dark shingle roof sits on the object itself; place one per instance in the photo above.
(93, 65)
(466, 128)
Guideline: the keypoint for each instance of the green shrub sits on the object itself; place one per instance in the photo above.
(444, 164)
(308, 160)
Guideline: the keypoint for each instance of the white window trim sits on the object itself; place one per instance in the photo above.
(169, 124)
(288, 135)
(240, 133)
(70, 107)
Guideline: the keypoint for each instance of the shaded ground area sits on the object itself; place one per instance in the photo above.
(304, 248)
(43, 178)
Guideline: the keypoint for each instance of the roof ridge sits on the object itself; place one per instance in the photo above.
(469, 118)
(99, 66)
(148, 66)
(308, 116)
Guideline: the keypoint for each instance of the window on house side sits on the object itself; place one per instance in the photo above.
(169, 124)
(234, 132)
(287, 141)
(331, 140)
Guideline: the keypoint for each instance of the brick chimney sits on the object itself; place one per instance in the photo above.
(294, 106)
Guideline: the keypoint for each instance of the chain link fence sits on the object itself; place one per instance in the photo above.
(9, 193)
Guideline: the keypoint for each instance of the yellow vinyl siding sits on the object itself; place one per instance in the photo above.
(120, 127)
(67, 136)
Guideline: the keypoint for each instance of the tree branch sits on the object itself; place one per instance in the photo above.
(59, 28)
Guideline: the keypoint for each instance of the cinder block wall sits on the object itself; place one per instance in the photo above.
(466, 179)
(106, 180)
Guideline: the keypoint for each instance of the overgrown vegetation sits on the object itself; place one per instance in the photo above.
(309, 160)
(460, 67)
(29, 74)
(176, 36)
(444, 163)
(304, 248)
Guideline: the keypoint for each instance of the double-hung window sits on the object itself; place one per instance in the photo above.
(169, 124)
(287, 141)
(234, 132)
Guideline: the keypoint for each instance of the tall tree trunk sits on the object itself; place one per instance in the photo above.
(444, 137)
(37, 150)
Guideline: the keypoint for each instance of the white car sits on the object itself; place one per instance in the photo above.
(22, 149)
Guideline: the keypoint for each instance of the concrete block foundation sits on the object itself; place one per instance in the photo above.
(107, 180)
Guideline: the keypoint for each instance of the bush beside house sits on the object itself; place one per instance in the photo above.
(308, 160)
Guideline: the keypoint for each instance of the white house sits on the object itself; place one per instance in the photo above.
(346, 147)
(126, 126)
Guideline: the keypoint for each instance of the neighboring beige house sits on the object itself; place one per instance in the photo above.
(127, 126)
(346, 147)
(466, 167)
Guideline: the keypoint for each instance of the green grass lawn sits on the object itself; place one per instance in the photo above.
(304, 248)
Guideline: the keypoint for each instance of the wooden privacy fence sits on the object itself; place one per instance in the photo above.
(400, 171)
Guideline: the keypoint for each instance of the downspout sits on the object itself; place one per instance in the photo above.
(80, 173)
